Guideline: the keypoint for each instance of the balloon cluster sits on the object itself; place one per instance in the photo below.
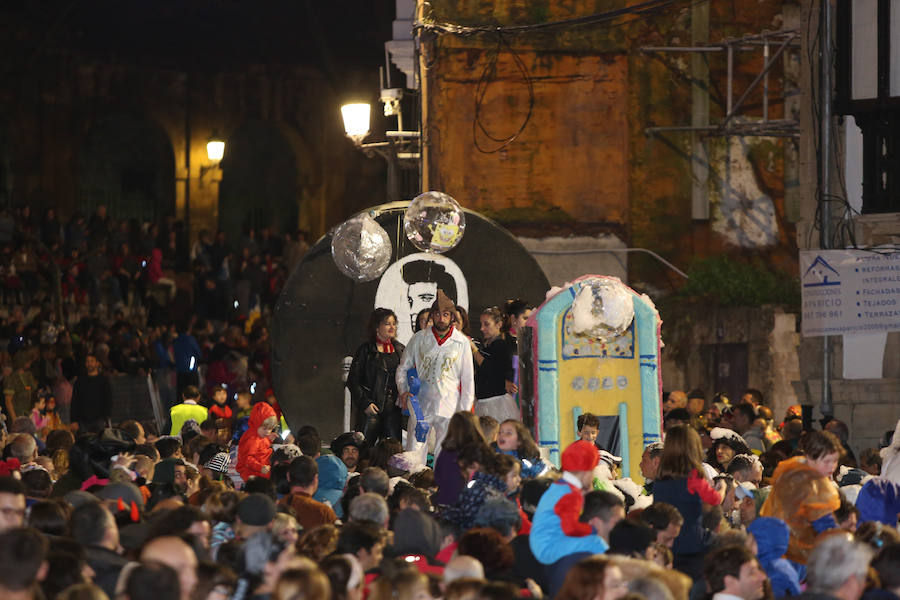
(361, 249)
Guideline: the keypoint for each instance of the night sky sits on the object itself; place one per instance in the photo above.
(202, 35)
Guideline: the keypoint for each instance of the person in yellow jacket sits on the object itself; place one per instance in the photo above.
(188, 409)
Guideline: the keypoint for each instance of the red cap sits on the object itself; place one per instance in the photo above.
(580, 456)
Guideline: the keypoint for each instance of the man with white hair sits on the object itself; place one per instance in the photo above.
(24, 448)
(370, 507)
(461, 566)
(837, 568)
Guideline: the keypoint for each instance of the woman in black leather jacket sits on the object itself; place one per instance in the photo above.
(371, 379)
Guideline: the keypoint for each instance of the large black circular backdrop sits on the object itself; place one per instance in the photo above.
(321, 314)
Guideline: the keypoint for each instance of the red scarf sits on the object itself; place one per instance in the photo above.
(440, 339)
(385, 347)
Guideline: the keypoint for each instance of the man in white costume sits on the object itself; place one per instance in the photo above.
(442, 357)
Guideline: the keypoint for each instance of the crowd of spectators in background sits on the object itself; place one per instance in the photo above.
(225, 501)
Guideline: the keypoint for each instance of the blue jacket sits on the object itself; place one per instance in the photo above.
(693, 539)
(547, 539)
(772, 543)
(879, 500)
(472, 497)
(332, 479)
(185, 347)
(531, 467)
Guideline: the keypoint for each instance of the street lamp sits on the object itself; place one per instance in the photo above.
(356, 121)
(215, 150)
(400, 149)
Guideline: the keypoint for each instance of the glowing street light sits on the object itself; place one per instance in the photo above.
(356, 121)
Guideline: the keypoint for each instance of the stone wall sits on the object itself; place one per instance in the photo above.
(772, 341)
(568, 258)
(868, 406)
(574, 104)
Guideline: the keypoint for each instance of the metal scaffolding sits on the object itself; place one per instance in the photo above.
(773, 45)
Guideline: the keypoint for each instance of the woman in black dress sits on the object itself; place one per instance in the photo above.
(493, 370)
(371, 379)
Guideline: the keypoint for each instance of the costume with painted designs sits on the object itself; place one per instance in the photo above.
(446, 376)
(805, 500)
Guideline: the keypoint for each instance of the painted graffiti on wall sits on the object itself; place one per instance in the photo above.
(742, 213)
(410, 285)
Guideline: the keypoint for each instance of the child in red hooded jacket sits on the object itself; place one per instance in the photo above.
(255, 447)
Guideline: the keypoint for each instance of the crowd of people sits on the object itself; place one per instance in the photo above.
(104, 264)
(439, 491)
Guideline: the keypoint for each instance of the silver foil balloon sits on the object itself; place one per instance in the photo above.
(361, 248)
(434, 222)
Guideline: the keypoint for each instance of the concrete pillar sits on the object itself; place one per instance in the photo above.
(699, 112)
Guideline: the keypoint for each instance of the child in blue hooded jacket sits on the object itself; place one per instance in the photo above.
(772, 537)
(556, 530)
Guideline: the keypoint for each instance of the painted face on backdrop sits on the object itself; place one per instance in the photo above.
(419, 295)
(410, 285)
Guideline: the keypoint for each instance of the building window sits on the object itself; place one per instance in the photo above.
(868, 87)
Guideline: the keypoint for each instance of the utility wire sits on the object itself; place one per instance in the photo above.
(637, 9)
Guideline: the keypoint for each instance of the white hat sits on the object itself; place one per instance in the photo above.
(744, 490)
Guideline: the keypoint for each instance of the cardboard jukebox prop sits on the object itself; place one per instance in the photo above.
(593, 346)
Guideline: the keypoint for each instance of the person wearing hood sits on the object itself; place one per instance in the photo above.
(556, 530)
(879, 500)
(255, 447)
(332, 479)
(772, 537)
(171, 471)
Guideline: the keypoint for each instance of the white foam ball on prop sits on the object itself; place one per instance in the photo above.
(602, 309)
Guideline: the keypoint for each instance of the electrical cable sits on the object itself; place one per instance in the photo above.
(481, 90)
(637, 9)
(479, 129)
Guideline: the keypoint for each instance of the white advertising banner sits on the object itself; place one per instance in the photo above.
(849, 291)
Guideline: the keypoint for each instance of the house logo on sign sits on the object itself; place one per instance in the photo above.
(820, 273)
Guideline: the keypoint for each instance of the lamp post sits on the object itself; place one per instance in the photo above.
(399, 147)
